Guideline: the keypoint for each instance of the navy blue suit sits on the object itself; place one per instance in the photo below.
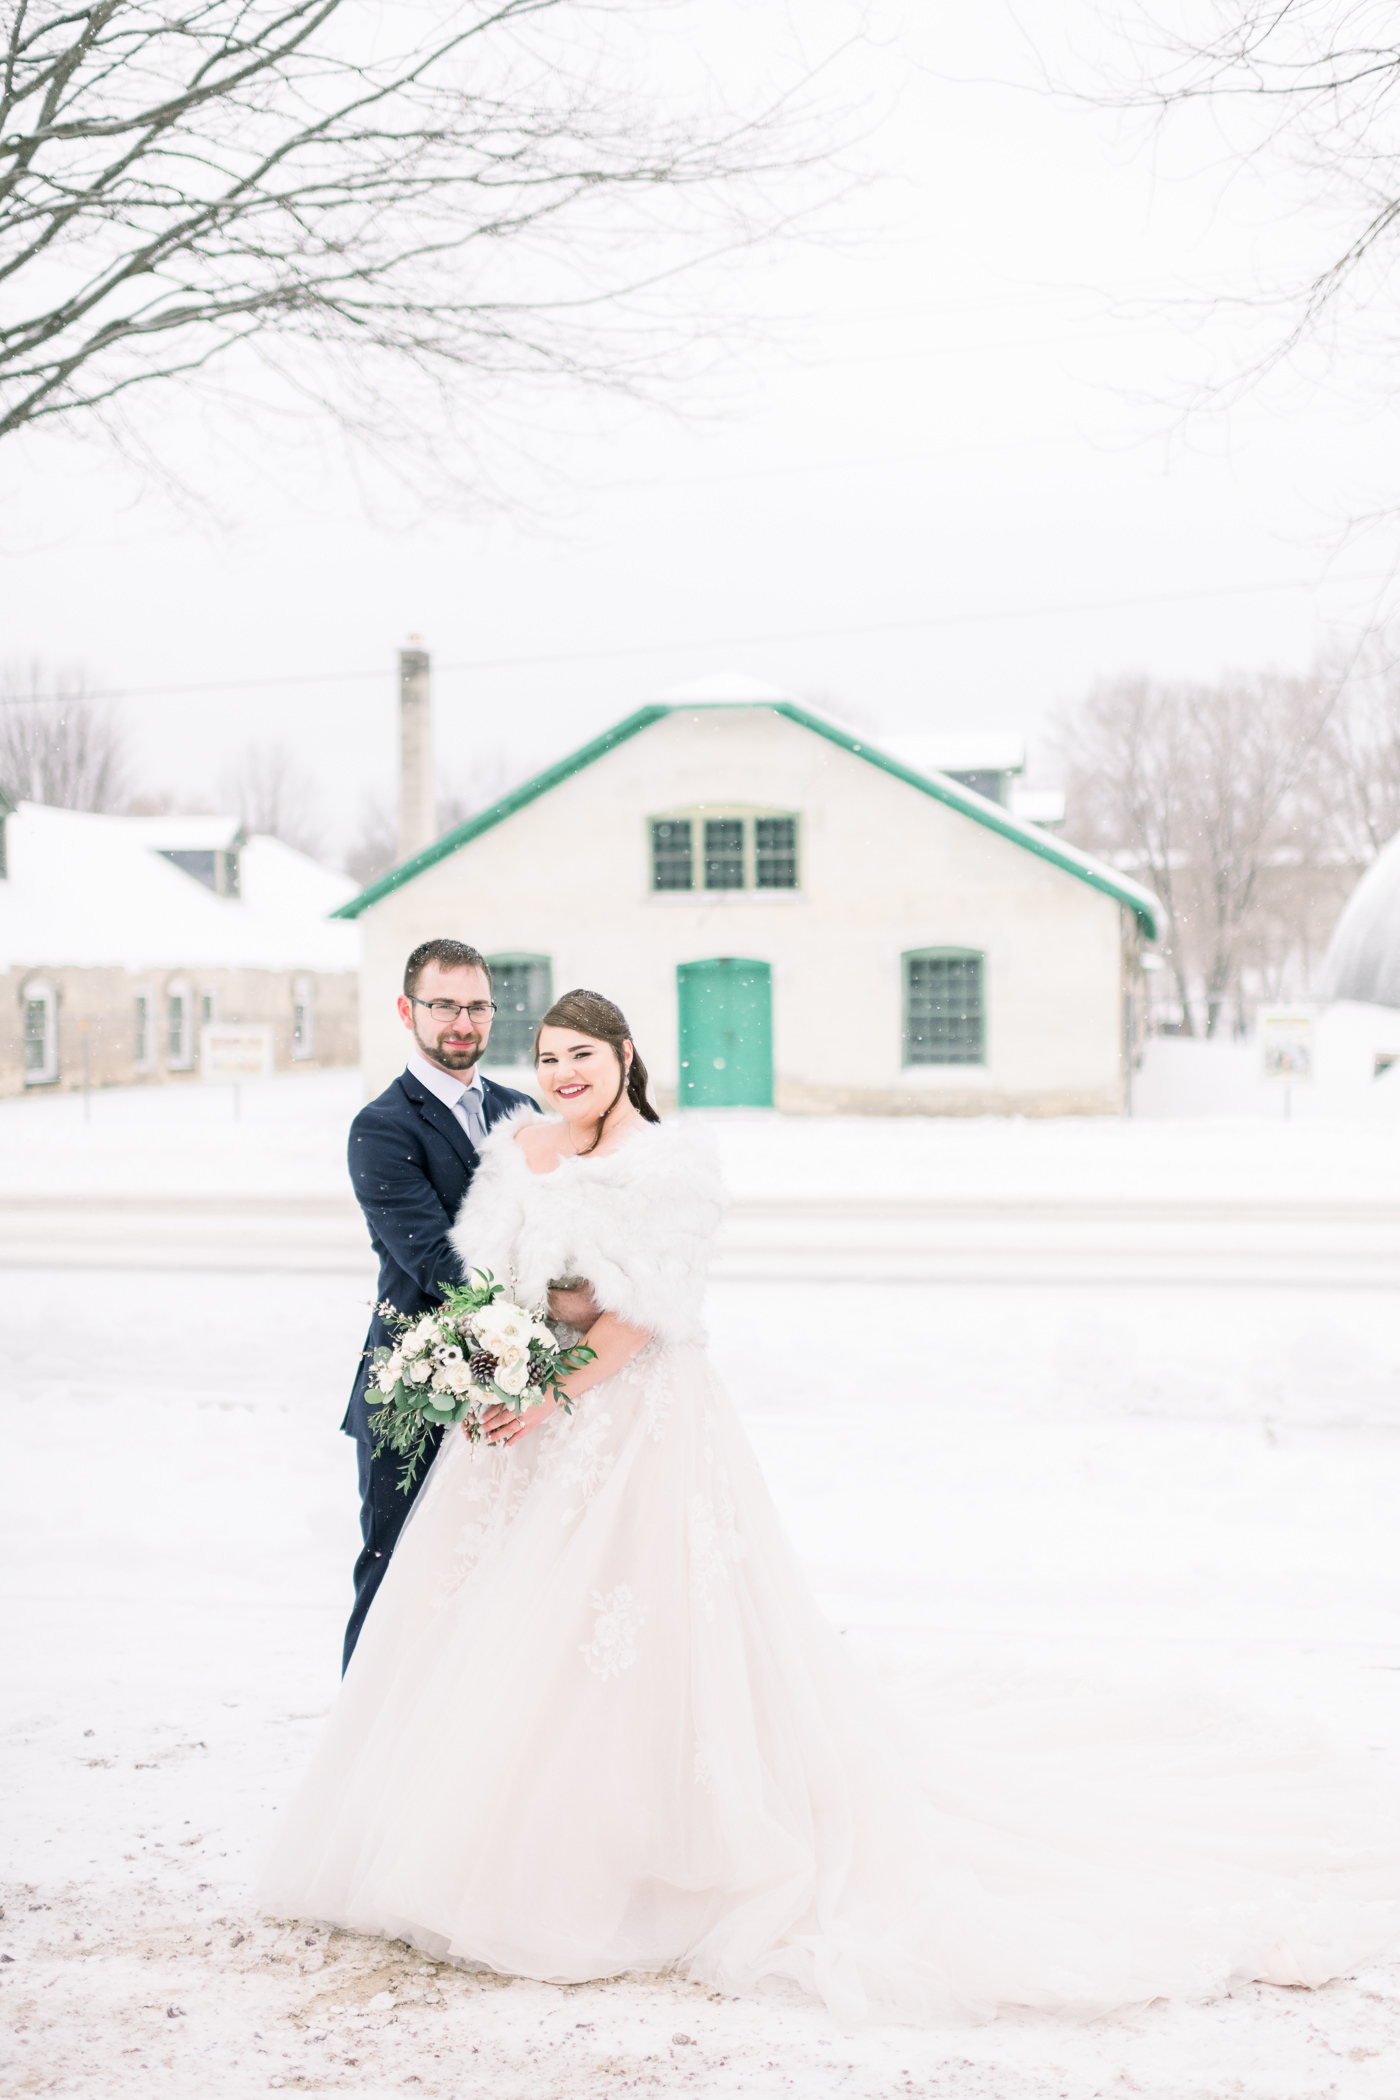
(411, 1163)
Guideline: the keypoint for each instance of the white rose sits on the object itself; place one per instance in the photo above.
(508, 1355)
(420, 1372)
(456, 1377)
(506, 1323)
(386, 1379)
(513, 1378)
(412, 1345)
(395, 1364)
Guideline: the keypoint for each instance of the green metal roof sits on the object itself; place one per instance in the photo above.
(969, 804)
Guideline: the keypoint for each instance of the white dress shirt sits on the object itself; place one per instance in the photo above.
(463, 1096)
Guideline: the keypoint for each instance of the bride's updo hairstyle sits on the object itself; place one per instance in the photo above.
(589, 1013)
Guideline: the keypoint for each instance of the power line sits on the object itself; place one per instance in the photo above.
(728, 641)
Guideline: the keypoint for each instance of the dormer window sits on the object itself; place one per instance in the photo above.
(215, 866)
(726, 849)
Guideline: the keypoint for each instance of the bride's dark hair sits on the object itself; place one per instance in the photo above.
(591, 1014)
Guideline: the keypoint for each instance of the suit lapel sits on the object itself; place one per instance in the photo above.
(492, 1108)
(442, 1120)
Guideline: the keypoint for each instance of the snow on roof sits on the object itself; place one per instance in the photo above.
(186, 834)
(91, 892)
(725, 687)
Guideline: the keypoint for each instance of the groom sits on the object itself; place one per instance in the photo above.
(412, 1156)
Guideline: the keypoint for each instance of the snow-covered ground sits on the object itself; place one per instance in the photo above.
(1129, 1479)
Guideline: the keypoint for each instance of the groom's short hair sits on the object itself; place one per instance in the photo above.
(448, 955)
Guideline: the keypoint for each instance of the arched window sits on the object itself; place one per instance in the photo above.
(179, 1026)
(523, 988)
(303, 1017)
(945, 1009)
(39, 1003)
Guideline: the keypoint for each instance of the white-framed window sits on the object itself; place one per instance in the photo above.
(39, 1005)
(208, 1005)
(146, 1054)
(303, 1017)
(523, 989)
(179, 1026)
(725, 849)
(945, 1007)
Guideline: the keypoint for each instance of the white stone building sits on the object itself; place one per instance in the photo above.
(789, 916)
(121, 938)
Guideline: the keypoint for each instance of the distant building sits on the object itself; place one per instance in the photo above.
(790, 915)
(122, 937)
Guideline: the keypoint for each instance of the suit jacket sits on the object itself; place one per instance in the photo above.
(411, 1164)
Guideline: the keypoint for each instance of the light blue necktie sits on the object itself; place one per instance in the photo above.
(471, 1108)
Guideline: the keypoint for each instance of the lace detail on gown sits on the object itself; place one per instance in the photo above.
(613, 1647)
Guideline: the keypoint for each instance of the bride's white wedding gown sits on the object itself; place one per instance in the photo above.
(596, 1721)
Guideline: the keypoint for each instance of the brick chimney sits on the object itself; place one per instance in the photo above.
(417, 814)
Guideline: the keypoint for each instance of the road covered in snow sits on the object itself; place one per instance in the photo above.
(1059, 1469)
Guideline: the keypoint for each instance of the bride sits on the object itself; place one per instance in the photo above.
(597, 1723)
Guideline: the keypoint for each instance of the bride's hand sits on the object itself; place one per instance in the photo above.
(504, 1426)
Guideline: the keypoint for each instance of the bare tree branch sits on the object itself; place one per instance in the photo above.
(485, 200)
(1310, 88)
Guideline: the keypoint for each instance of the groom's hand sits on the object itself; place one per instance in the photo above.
(574, 1308)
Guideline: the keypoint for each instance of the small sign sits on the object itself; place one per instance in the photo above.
(1286, 1045)
(232, 1053)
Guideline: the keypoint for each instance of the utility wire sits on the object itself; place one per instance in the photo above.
(729, 641)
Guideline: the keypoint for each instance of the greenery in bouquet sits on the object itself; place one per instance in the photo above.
(474, 1352)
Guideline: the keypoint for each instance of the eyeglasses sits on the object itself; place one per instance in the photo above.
(447, 1009)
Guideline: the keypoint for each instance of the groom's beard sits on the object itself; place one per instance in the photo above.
(454, 1060)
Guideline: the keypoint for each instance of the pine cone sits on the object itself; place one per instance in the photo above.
(482, 1366)
(539, 1371)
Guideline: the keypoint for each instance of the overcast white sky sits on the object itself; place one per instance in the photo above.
(958, 449)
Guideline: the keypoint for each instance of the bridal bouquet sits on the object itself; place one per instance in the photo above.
(474, 1352)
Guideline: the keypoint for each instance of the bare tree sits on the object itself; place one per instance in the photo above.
(376, 846)
(1355, 789)
(1201, 790)
(58, 746)
(380, 204)
(275, 794)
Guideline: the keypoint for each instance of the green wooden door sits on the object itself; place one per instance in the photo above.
(726, 1016)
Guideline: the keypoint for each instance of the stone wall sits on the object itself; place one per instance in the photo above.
(97, 1007)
